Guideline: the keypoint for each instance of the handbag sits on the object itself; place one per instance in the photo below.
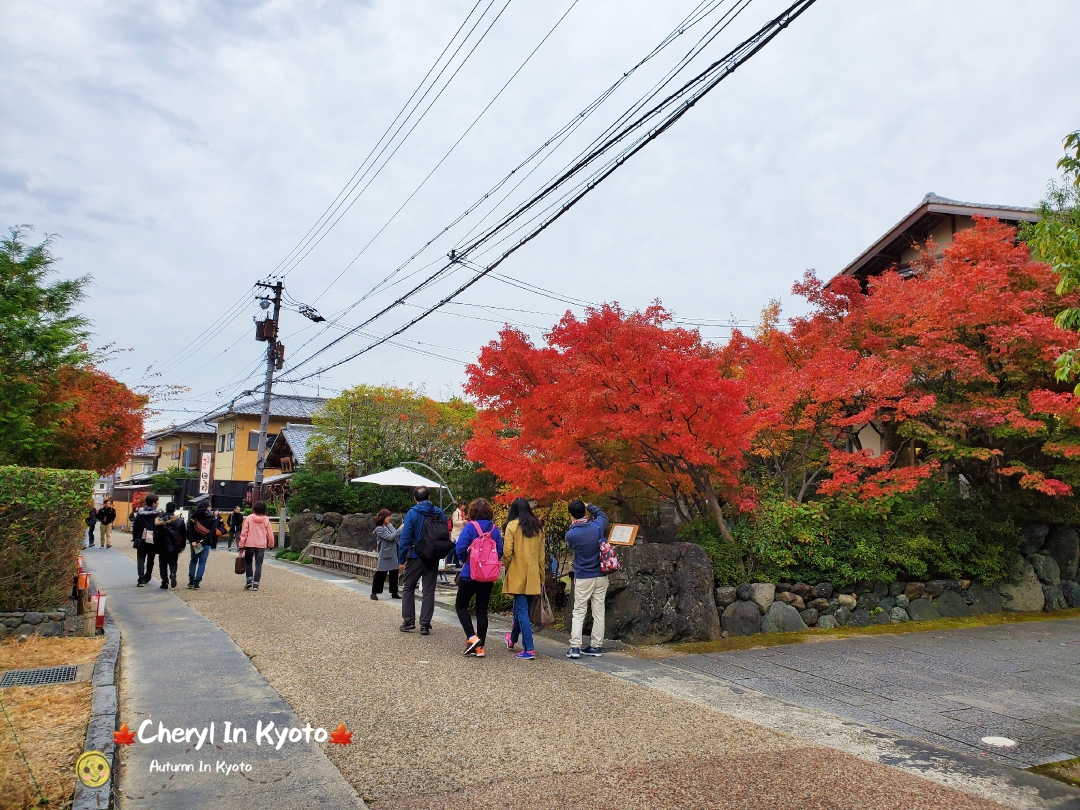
(200, 530)
(540, 615)
(239, 566)
(609, 562)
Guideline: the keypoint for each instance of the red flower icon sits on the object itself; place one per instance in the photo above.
(122, 736)
(340, 736)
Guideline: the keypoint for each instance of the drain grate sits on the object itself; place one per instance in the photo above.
(38, 677)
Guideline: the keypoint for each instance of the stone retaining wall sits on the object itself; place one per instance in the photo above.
(33, 622)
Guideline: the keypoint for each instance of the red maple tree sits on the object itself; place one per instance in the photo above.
(616, 403)
(98, 422)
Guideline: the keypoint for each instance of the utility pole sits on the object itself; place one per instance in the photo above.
(267, 330)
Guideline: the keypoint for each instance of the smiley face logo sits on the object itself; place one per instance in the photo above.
(93, 769)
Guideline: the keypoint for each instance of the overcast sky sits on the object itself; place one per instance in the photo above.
(180, 150)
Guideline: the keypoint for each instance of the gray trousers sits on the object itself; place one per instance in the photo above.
(417, 570)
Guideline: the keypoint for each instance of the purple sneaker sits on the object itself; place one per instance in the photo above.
(526, 655)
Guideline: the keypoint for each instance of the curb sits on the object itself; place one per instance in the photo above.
(104, 714)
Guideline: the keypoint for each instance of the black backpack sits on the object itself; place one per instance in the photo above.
(434, 543)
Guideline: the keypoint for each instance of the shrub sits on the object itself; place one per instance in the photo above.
(168, 483)
(931, 532)
(42, 520)
(328, 492)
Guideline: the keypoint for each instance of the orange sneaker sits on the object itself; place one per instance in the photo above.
(471, 645)
(479, 652)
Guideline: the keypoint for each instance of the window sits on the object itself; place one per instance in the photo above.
(232, 441)
(221, 443)
(253, 440)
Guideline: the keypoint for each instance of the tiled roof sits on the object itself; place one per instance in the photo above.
(194, 426)
(298, 437)
(147, 449)
(281, 405)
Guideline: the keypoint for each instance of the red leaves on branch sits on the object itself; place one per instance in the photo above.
(100, 423)
(866, 396)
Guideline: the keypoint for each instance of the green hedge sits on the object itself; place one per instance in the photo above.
(934, 532)
(42, 521)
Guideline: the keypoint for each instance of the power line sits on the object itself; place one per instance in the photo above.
(669, 110)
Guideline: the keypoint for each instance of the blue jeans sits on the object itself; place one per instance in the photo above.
(197, 565)
(522, 625)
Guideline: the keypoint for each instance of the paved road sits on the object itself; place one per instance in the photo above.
(179, 669)
(948, 688)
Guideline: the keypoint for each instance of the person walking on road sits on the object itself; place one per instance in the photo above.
(201, 537)
(236, 522)
(386, 541)
(172, 532)
(589, 527)
(524, 556)
(106, 515)
(480, 524)
(255, 538)
(142, 537)
(457, 524)
(91, 521)
(425, 539)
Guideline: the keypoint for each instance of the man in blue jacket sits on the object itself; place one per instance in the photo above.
(415, 568)
(590, 583)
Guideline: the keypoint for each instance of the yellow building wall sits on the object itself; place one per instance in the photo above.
(171, 450)
(238, 464)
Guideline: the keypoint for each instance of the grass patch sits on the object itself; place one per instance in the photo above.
(1067, 771)
(51, 725)
(37, 651)
(291, 556)
(782, 639)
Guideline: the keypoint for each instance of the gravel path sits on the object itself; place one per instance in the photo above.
(430, 725)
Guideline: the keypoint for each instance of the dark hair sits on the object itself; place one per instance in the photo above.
(151, 499)
(576, 509)
(170, 507)
(421, 494)
(523, 514)
(480, 510)
(236, 507)
(382, 517)
(259, 508)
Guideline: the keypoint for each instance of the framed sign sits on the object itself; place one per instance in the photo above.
(286, 464)
(622, 534)
(204, 473)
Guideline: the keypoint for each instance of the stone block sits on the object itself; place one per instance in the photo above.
(820, 604)
(782, 618)
(831, 607)
(743, 592)
(1071, 591)
(741, 618)
(104, 701)
(1063, 544)
(986, 600)
(920, 610)
(896, 588)
(847, 600)
(1054, 599)
(1032, 537)
(667, 595)
(50, 629)
(842, 615)
(33, 617)
(827, 623)
(880, 616)
(762, 594)
(898, 614)
(823, 590)
(868, 601)
(902, 601)
(809, 617)
(724, 596)
(880, 589)
(887, 603)
(936, 587)
(1025, 596)
(913, 590)
(860, 617)
(951, 604)
(1046, 569)
(356, 531)
(803, 590)
(788, 598)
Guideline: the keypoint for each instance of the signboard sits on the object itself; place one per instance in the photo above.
(622, 534)
(204, 473)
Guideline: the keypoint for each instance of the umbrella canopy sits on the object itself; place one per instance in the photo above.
(397, 477)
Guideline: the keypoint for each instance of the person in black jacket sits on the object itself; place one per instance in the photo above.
(201, 533)
(106, 515)
(236, 523)
(142, 537)
(91, 521)
(170, 538)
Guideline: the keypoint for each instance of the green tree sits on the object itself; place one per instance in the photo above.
(169, 482)
(39, 334)
(1055, 239)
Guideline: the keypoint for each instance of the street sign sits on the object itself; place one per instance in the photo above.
(204, 473)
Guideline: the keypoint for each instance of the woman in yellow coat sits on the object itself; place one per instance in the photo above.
(524, 557)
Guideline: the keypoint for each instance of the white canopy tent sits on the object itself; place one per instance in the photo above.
(397, 477)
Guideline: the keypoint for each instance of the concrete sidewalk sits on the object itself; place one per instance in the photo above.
(181, 670)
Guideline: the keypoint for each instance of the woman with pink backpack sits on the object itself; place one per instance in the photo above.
(479, 548)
